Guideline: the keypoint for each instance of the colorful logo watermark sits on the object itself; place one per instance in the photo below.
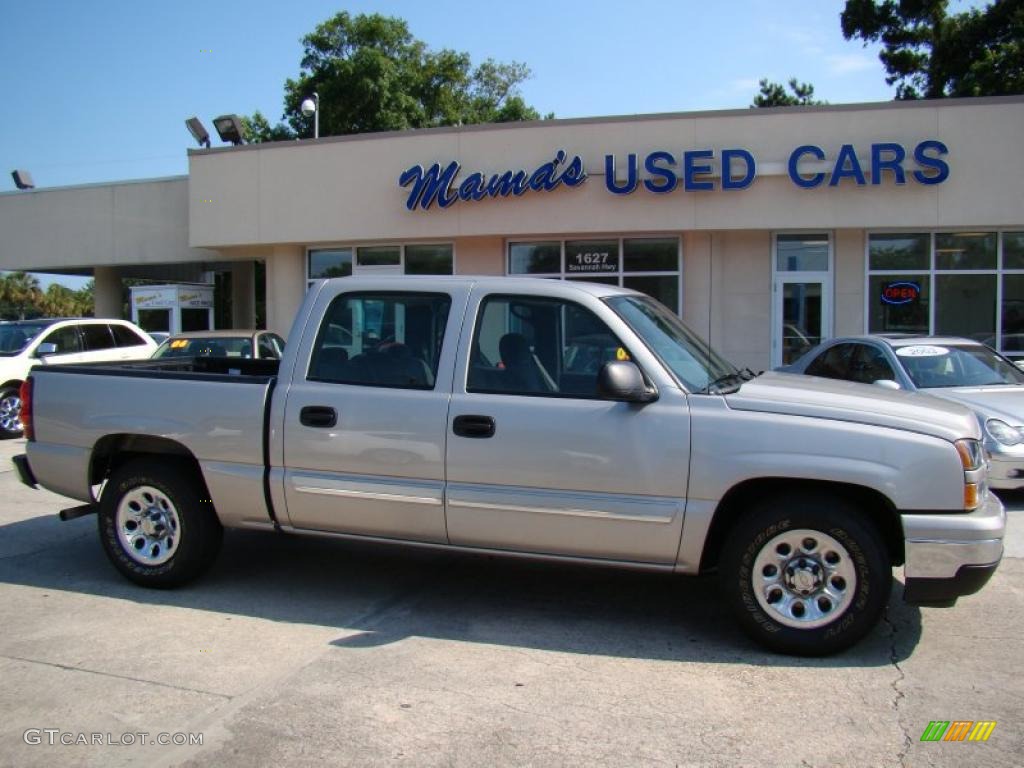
(958, 730)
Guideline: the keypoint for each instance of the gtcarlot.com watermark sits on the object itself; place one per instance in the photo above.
(57, 737)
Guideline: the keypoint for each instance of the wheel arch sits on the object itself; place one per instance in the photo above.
(12, 384)
(877, 509)
(113, 451)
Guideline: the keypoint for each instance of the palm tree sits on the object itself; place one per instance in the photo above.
(20, 293)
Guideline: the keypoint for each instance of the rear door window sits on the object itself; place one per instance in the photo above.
(833, 363)
(97, 337)
(126, 337)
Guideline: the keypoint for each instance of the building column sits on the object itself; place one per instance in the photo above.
(286, 286)
(243, 294)
(107, 292)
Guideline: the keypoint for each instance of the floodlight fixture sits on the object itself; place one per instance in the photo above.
(198, 131)
(230, 128)
(23, 179)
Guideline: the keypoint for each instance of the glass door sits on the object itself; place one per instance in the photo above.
(801, 319)
(801, 295)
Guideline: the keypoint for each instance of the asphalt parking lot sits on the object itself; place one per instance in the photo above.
(296, 651)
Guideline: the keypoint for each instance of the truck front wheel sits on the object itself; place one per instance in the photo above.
(156, 525)
(806, 574)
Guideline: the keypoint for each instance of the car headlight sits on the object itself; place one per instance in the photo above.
(1003, 433)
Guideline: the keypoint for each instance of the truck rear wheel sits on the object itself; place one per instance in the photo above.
(806, 574)
(155, 525)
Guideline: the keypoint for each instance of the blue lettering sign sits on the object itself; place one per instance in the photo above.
(847, 166)
(692, 169)
(893, 163)
(744, 181)
(631, 173)
(667, 175)
(807, 182)
(940, 166)
(435, 185)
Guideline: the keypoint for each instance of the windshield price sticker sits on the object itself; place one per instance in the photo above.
(179, 343)
(621, 354)
(921, 350)
(592, 261)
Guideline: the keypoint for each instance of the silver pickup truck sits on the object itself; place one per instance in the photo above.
(535, 418)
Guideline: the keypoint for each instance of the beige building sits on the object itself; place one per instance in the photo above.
(765, 229)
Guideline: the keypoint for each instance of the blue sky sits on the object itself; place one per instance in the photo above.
(98, 90)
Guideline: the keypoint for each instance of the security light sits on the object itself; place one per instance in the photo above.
(198, 131)
(23, 180)
(230, 128)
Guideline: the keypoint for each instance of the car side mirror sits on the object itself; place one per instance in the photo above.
(622, 381)
(887, 384)
(46, 348)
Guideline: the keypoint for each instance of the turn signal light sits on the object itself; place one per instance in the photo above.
(972, 496)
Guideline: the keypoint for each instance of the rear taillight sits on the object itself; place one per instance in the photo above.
(26, 408)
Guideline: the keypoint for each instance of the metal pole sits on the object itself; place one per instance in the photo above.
(316, 115)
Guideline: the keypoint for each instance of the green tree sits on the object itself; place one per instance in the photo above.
(775, 95)
(20, 295)
(373, 75)
(930, 53)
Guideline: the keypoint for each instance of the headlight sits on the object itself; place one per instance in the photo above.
(972, 455)
(1002, 432)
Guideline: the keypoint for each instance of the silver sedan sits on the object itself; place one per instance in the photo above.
(948, 367)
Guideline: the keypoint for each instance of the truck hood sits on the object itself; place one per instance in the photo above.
(995, 402)
(799, 395)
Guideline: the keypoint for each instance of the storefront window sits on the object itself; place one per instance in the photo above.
(899, 303)
(971, 250)
(413, 259)
(900, 251)
(534, 258)
(650, 254)
(428, 260)
(330, 263)
(651, 265)
(965, 305)
(1013, 250)
(801, 253)
(379, 256)
(948, 283)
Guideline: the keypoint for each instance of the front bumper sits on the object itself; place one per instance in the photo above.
(949, 555)
(1006, 469)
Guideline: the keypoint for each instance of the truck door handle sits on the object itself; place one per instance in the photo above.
(318, 416)
(473, 426)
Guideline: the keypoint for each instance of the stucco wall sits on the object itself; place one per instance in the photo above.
(101, 225)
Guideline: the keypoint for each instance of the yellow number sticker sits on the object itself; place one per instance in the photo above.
(621, 354)
(179, 343)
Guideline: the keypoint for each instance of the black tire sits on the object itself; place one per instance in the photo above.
(10, 413)
(198, 531)
(771, 617)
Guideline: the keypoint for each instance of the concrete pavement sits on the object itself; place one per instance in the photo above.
(296, 651)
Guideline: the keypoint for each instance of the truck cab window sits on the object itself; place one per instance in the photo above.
(381, 340)
(532, 346)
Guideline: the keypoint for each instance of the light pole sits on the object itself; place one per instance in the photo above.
(312, 107)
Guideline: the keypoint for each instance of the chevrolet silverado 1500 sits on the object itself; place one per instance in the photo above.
(536, 418)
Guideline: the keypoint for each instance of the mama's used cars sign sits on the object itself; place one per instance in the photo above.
(692, 170)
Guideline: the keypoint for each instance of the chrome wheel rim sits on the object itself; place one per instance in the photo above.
(148, 525)
(10, 413)
(804, 579)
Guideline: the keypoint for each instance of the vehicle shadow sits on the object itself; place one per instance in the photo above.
(378, 595)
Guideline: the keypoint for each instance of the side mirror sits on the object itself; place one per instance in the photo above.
(621, 380)
(887, 384)
(46, 348)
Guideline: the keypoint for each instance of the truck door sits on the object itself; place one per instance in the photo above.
(364, 423)
(536, 461)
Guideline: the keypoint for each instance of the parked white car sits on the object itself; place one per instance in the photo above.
(25, 344)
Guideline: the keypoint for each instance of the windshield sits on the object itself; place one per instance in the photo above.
(696, 366)
(933, 366)
(209, 346)
(14, 338)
